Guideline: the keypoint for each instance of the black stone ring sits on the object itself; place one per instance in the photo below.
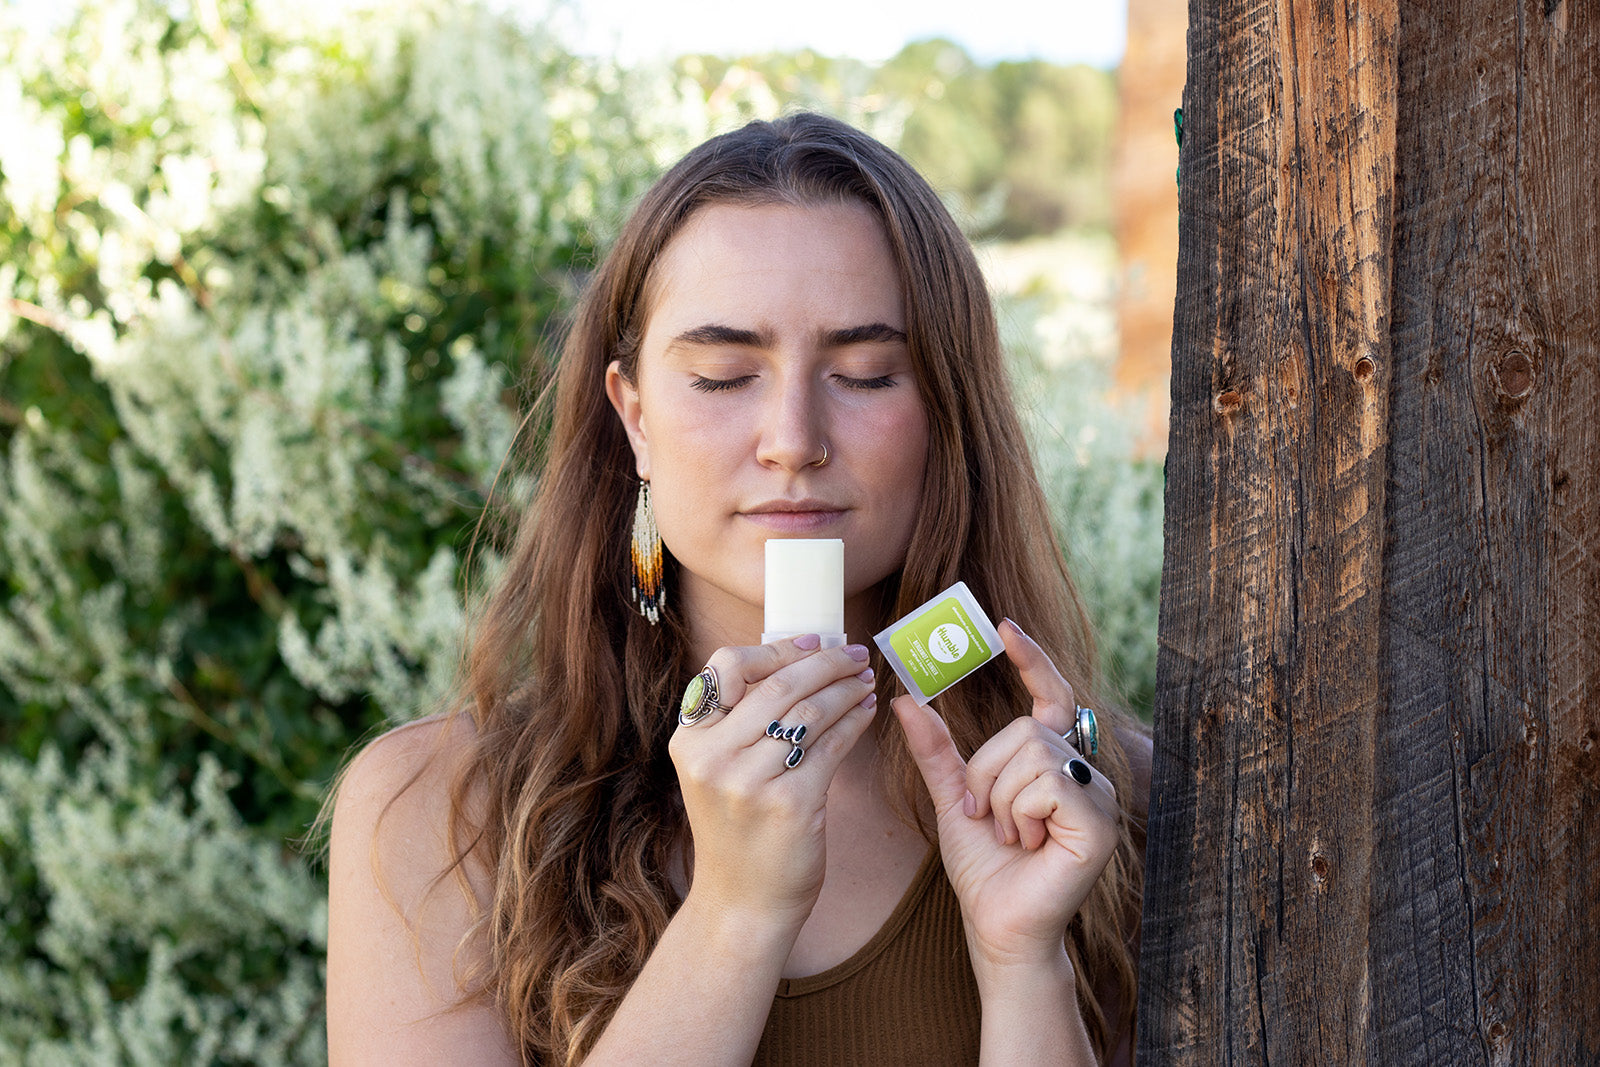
(1079, 770)
(793, 735)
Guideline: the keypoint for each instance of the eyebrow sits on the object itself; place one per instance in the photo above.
(713, 334)
(879, 332)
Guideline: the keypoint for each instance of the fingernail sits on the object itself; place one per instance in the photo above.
(1017, 628)
(866, 675)
(969, 804)
(808, 642)
(869, 701)
(857, 652)
(999, 832)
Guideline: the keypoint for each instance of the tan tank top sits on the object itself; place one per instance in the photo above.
(908, 997)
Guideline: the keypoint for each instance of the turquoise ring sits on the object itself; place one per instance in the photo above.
(1085, 733)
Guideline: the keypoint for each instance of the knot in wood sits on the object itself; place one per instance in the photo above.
(1319, 867)
(1364, 368)
(1228, 402)
(1513, 374)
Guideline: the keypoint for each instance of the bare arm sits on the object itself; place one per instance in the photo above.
(394, 927)
(1031, 1017)
(704, 995)
(1023, 844)
(395, 948)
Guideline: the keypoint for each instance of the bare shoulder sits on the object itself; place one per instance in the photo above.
(394, 801)
(406, 772)
(402, 911)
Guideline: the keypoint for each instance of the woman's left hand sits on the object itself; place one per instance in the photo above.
(1023, 843)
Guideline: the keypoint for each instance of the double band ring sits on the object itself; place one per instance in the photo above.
(700, 697)
(1085, 733)
(793, 735)
(1078, 770)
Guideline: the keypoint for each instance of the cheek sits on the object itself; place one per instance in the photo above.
(683, 433)
(689, 455)
(898, 451)
(900, 445)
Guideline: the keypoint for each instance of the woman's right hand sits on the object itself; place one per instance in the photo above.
(758, 824)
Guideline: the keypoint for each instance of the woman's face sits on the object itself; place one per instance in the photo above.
(773, 331)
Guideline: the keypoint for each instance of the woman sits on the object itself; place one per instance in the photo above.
(791, 338)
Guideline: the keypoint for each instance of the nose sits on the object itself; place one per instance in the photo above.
(792, 432)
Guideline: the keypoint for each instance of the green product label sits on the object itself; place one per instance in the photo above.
(940, 646)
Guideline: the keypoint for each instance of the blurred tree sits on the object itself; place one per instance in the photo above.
(1020, 148)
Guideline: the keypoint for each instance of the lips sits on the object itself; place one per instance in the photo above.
(777, 507)
(795, 516)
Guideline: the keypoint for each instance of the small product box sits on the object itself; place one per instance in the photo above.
(940, 643)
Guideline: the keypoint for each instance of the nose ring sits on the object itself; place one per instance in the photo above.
(823, 462)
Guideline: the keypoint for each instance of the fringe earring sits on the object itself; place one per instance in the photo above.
(645, 579)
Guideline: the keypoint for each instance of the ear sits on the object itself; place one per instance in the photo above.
(624, 398)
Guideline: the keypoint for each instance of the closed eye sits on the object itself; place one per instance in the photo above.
(719, 385)
(882, 381)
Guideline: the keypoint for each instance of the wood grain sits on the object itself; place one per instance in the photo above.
(1377, 728)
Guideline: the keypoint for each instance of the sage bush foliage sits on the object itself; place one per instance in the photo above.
(1105, 495)
(275, 282)
(268, 281)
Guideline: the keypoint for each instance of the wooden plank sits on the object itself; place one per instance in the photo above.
(1487, 914)
(1276, 482)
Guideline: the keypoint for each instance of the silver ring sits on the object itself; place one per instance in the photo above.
(1085, 733)
(793, 735)
(700, 697)
(1078, 770)
(823, 462)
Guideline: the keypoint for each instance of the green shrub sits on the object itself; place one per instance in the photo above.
(267, 286)
(1107, 500)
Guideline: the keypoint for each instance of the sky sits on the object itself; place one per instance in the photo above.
(872, 30)
(989, 30)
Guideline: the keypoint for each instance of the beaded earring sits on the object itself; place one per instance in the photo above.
(649, 594)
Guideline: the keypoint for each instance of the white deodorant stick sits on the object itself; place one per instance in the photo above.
(805, 590)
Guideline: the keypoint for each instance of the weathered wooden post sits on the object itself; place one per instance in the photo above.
(1375, 833)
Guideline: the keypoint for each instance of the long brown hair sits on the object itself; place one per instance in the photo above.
(575, 804)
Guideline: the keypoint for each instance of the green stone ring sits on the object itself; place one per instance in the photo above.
(700, 697)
